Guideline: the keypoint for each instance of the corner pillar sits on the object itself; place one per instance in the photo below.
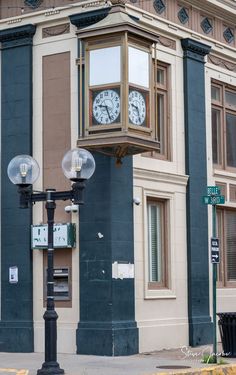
(16, 324)
(107, 310)
(200, 326)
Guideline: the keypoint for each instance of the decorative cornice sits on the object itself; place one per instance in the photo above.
(85, 19)
(17, 36)
(195, 50)
(222, 63)
(171, 178)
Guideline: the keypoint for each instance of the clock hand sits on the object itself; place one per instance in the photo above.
(137, 109)
(106, 107)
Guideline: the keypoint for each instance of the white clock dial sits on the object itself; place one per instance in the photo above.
(137, 108)
(106, 107)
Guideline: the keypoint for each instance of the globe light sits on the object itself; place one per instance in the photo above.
(77, 164)
(23, 170)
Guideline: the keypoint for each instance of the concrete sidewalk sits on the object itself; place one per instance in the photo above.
(179, 361)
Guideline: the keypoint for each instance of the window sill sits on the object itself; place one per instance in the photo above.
(161, 293)
(224, 173)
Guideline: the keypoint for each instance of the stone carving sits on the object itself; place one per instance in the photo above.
(159, 6)
(222, 63)
(228, 35)
(56, 30)
(206, 25)
(117, 2)
(166, 42)
(33, 3)
(183, 15)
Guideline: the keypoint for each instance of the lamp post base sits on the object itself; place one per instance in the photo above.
(50, 368)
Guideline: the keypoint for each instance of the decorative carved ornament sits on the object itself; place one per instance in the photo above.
(33, 3)
(166, 42)
(56, 30)
(222, 63)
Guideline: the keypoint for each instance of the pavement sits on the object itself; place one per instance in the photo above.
(185, 360)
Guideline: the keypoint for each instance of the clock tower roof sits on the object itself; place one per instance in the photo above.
(118, 20)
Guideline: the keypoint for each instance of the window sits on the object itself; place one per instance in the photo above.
(223, 98)
(226, 223)
(162, 113)
(157, 244)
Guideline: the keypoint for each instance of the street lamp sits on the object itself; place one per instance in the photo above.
(78, 165)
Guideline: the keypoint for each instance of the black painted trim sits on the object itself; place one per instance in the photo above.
(195, 50)
(17, 36)
(85, 19)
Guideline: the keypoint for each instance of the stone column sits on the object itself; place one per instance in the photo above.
(200, 326)
(16, 325)
(107, 312)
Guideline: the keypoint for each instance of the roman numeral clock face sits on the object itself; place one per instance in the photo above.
(137, 108)
(106, 107)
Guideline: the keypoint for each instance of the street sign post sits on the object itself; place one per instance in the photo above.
(213, 198)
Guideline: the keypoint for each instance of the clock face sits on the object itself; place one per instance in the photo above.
(106, 107)
(137, 108)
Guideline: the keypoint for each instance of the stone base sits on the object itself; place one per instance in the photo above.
(109, 339)
(200, 331)
(16, 337)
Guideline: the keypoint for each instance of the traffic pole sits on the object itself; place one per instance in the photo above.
(214, 278)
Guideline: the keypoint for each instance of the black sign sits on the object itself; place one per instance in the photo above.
(215, 253)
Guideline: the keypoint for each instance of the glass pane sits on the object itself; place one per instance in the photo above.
(138, 67)
(215, 93)
(160, 76)
(230, 98)
(154, 243)
(230, 139)
(161, 121)
(231, 245)
(216, 136)
(104, 66)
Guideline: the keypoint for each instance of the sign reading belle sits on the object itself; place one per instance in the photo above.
(120, 117)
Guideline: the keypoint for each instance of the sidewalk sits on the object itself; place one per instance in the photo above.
(179, 361)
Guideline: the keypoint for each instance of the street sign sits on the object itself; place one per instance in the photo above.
(215, 256)
(215, 252)
(213, 190)
(213, 199)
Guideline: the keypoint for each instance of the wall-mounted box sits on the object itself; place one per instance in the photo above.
(64, 236)
(62, 284)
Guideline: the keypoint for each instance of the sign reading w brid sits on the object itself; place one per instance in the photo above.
(33, 3)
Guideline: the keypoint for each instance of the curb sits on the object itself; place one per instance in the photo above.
(213, 370)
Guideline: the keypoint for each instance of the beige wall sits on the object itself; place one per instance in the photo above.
(55, 131)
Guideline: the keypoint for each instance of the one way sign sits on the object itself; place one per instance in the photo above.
(215, 253)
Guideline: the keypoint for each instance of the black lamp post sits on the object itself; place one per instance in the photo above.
(78, 165)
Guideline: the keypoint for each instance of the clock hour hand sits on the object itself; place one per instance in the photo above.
(137, 110)
(106, 107)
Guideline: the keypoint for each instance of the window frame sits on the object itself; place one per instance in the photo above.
(162, 89)
(163, 204)
(224, 109)
(222, 277)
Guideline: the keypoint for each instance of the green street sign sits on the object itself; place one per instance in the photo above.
(213, 190)
(214, 199)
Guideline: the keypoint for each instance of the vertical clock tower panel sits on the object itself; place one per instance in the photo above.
(119, 111)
